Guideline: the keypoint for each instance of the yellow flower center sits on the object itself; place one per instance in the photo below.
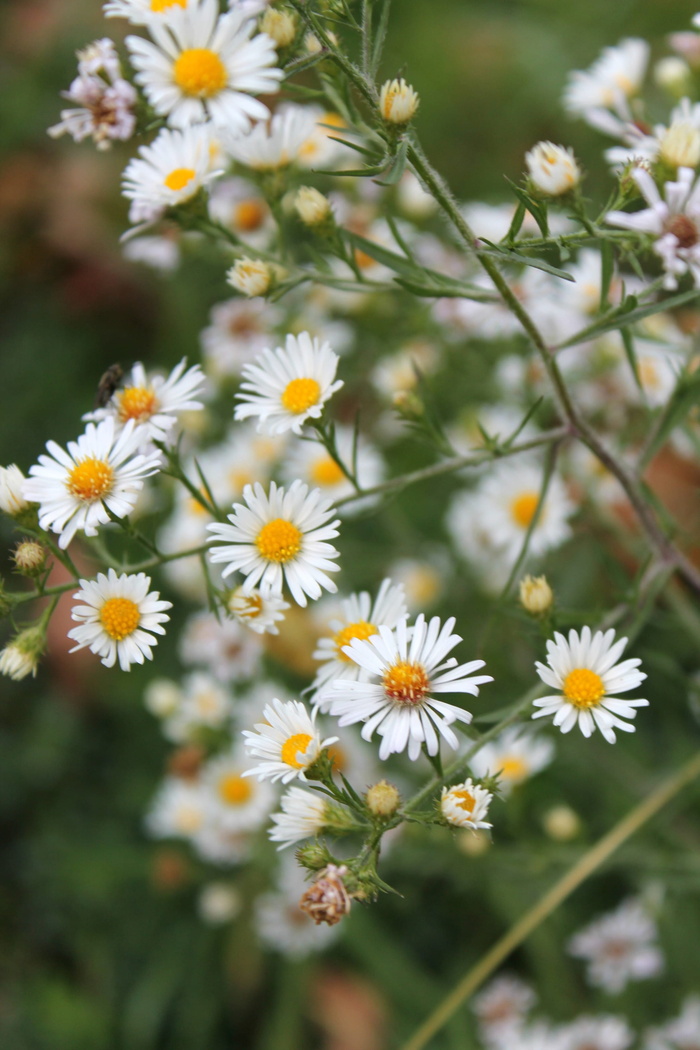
(291, 748)
(120, 617)
(523, 508)
(178, 179)
(583, 688)
(199, 72)
(249, 215)
(464, 799)
(300, 395)
(406, 683)
(234, 790)
(326, 472)
(279, 540)
(513, 768)
(137, 402)
(649, 374)
(90, 480)
(361, 630)
(163, 5)
(249, 606)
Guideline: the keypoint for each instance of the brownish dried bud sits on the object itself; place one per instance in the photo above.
(327, 900)
(186, 762)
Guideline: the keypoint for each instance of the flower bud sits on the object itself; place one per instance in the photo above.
(311, 206)
(162, 697)
(218, 903)
(250, 277)
(279, 24)
(561, 823)
(673, 74)
(30, 558)
(12, 502)
(327, 900)
(398, 102)
(21, 656)
(536, 596)
(552, 169)
(382, 799)
(313, 45)
(680, 145)
(313, 855)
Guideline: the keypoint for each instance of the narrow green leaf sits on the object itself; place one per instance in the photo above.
(625, 315)
(502, 251)
(607, 267)
(538, 209)
(631, 355)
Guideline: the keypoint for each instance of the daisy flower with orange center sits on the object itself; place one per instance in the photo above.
(168, 172)
(278, 538)
(236, 802)
(586, 675)
(287, 741)
(204, 65)
(140, 12)
(274, 144)
(410, 665)
(118, 618)
(102, 471)
(289, 385)
(154, 401)
(465, 805)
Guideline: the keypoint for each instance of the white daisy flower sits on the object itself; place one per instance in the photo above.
(596, 1033)
(502, 1007)
(587, 677)
(619, 947)
(515, 756)
(304, 815)
(278, 538)
(140, 12)
(673, 220)
(222, 646)
(614, 78)
(465, 805)
(239, 205)
(321, 149)
(260, 613)
(311, 462)
(286, 386)
(168, 172)
(217, 844)
(275, 144)
(553, 169)
(287, 741)
(411, 665)
(682, 1033)
(154, 401)
(359, 618)
(204, 65)
(118, 618)
(239, 330)
(12, 482)
(103, 470)
(178, 810)
(205, 703)
(238, 803)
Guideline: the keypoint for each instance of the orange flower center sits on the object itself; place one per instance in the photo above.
(234, 790)
(292, 747)
(326, 472)
(91, 480)
(120, 617)
(249, 215)
(513, 769)
(360, 630)
(464, 799)
(523, 508)
(279, 540)
(137, 402)
(406, 683)
(163, 5)
(178, 179)
(583, 688)
(199, 72)
(299, 395)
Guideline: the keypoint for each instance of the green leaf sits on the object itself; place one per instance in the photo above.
(628, 313)
(630, 353)
(397, 167)
(607, 267)
(516, 223)
(538, 209)
(504, 252)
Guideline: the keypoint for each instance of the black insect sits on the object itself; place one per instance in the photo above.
(107, 385)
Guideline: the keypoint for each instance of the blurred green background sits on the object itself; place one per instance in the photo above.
(101, 945)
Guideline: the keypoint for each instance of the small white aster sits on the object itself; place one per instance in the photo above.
(277, 538)
(237, 803)
(515, 755)
(221, 645)
(303, 816)
(287, 741)
(204, 703)
(168, 172)
(615, 76)
(12, 481)
(205, 65)
(311, 462)
(140, 12)
(465, 805)
(118, 618)
(587, 677)
(239, 329)
(104, 466)
(619, 947)
(178, 809)
(360, 617)
(154, 401)
(286, 386)
(410, 664)
(275, 144)
(682, 1033)
(502, 1008)
(596, 1033)
(261, 613)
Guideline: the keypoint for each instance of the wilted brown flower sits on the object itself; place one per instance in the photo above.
(327, 900)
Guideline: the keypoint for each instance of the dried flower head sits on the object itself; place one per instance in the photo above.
(327, 899)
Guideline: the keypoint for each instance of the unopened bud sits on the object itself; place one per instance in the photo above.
(21, 657)
(312, 207)
(382, 799)
(327, 900)
(30, 558)
(398, 102)
(12, 502)
(313, 856)
(680, 145)
(279, 24)
(552, 169)
(536, 596)
(162, 697)
(561, 823)
(218, 903)
(313, 45)
(250, 277)
(673, 74)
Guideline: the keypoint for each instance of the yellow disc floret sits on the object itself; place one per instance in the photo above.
(234, 790)
(326, 472)
(179, 178)
(136, 402)
(523, 508)
(360, 630)
(120, 617)
(91, 479)
(513, 768)
(406, 683)
(464, 799)
(583, 687)
(249, 215)
(292, 747)
(279, 540)
(163, 5)
(200, 73)
(299, 395)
